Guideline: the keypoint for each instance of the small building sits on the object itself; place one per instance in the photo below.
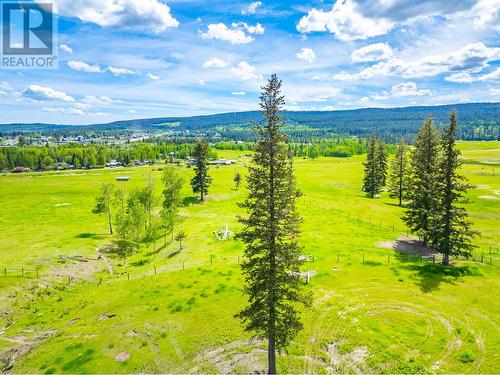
(123, 178)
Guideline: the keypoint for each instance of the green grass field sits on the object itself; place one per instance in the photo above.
(374, 310)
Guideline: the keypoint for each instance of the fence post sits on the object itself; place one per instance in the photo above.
(490, 249)
(69, 280)
(363, 257)
(491, 260)
(5, 270)
(338, 256)
(388, 258)
(128, 276)
(380, 223)
(211, 260)
(155, 269)
(22, 272)
(482, 257)
(182, 265)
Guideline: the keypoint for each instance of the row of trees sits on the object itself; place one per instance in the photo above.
(43, 158)
(428, 180)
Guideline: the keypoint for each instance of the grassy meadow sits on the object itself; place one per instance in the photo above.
(374, 309)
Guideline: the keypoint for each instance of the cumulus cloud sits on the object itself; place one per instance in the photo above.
(486, 14)
(215, 63)
(90, 101)
(252, 8)
(220, 31)
(257, 29)
(408, 89)
(66, 48)
(344, 21)
(306, 54)
(245, 71)
(473, 57)
(460, 77)
(239, 93)
(357, 19)
(373, 52)
(152, 77)
(5, 89)
(42, 93)
(151, 15)
(464, 77)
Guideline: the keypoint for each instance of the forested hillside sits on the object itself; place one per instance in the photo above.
(478, 121)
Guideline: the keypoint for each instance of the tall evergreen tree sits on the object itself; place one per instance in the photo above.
(381, 158)
(272, 254)
(398, 175)
(375, 167)
(423, 185)
(451, 228)
(201, 180)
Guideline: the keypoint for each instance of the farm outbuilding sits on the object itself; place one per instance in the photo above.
(123, 178)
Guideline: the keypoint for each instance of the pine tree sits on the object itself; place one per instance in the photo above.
(201, 180)
(381, 158)
(375, 167)
(451, 229)
(398, 176)
(423, 183)
(272, 254)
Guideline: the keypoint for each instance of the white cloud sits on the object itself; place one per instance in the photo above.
(493, 76)
(486, 14)
(151, 15)
(473, 57)
(495, 92)
(97, 101)
(201, 82)
(5, 89)
(84, 67)
(216, 63)
(408, 89)
(152, 77)
(258, 29)
(245, 71)
(373, 52)
(238, 93)
(120, 71)
(42, 93)
(306, 54)
(464, 77)
(66, 48)
(252, 8)
(345, 22)
(66, 111)
(220, 31)
(365, 99)
(460, 77)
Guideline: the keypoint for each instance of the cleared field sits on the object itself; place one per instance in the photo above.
(374, 310)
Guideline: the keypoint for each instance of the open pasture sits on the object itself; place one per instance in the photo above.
(375, 309)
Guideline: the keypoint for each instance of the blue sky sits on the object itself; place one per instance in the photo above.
(125, 59)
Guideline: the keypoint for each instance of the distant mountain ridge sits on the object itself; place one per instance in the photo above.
(478, 120)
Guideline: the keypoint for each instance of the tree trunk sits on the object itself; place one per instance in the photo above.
(446, 259)
(109, 216)
(271, 355)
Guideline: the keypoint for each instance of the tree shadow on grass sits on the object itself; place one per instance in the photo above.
(189, 201)
(90, 235)
(430, 276)
(372, 263)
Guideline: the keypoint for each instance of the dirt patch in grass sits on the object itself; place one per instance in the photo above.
(407, 245)
(349, 362)
(23, 346)
(76, 268)
(237, 357)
